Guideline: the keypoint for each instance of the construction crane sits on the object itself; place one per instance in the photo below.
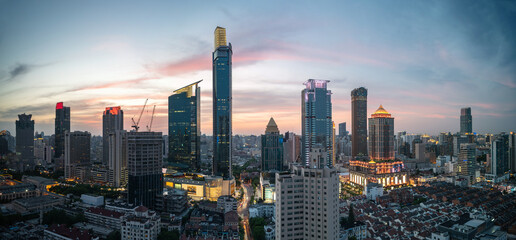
(136, 124)
(152, 118)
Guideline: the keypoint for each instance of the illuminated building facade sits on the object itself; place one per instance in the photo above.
(467, 157)
(62, 124)
(382, 167)
(118, 157)
(316, 118)
(359, 122)
(184, 128)
(145, 163)
(222, 106)
(201, 187)
(381, 135)
(112, 120)
(272, 148)
(25, 141)
(466, 121)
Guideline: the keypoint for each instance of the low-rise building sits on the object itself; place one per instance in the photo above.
(142, 225)
(104, 217)
(92, 200)
(262, 210)
(373, 190)
(228, 203)
(12, 189)
(61, 232)
(36, 204)
(172, 201)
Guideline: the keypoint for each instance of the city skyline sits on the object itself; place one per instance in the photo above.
(425, 65)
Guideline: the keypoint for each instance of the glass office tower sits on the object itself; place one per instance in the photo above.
(222, 97)
(184, 128)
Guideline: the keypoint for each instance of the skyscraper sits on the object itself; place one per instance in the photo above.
(222, 106)
(466, 121)
(381, 135)
(184, 127)
(272, 148)
(118, 158)
(112, 120)
(342, 129)
(307, 204)
(62, 124)
(145, 160)
(25, 140)
(76, 152)
(500, 155)
(316, 118)
(512, 152)
(359, 122)
(466, 160)
(291, 148)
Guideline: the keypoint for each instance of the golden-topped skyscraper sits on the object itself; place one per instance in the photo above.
(220, 37)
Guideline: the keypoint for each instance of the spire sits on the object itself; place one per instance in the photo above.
(272, 127)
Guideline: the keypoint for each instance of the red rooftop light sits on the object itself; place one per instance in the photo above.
(59, 105)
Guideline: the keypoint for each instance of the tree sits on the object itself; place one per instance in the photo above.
(114, 235)
(168, 235)
(258, 233)
(351, 216)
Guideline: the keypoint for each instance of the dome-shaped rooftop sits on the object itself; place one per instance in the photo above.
(381, 113)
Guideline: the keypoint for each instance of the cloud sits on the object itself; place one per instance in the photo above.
(18, 70)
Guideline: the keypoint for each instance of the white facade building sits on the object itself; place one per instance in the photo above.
(307, 204)
(142, 225)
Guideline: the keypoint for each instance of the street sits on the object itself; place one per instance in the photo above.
(243, 210)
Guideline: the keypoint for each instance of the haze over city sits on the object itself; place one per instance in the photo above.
(422, 60)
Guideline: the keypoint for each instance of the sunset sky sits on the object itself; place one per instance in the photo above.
(423, 60)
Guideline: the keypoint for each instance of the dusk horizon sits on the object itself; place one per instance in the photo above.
(423, 61)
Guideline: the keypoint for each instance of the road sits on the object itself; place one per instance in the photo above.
(243, 210)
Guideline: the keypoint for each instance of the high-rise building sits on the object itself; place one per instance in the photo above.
(382, 167)
(76, 153)
(291, 148)
(458, 140)
(512, 152)
(7, 143)
(307, 204)
(62, 124)
(272, 148)
(25, 140)
(145, 161)
(342, 129)
(316, 118)
(112, 120)
(117, 158)
(381, 135)
(222, 105)
(184, 128)
(467, 155)
(500, 155)
(466, 121)
(359, 122)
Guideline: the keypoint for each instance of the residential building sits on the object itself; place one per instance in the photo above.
(272, 148)
(359, 122)
(104, 217)
(316, 120)
(227, 203)
(222, 105)
(118, 158)
(173, 201)
(184, 128)
(143, 224)
(291, 148)
(307, 204)
(62, 232)
(145, 161)
(112, 120)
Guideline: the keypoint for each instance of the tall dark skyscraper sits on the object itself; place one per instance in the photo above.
(512, 152)
(25, 140)
(500, 154)
(359, 122)
(145, 160)
(342, 129)
(184, 127)
(466, 121)
(222, 98)
(381, 135)
(272, 148)
(316, 118)
(76, 152)
(112, 120)
(62, 124)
